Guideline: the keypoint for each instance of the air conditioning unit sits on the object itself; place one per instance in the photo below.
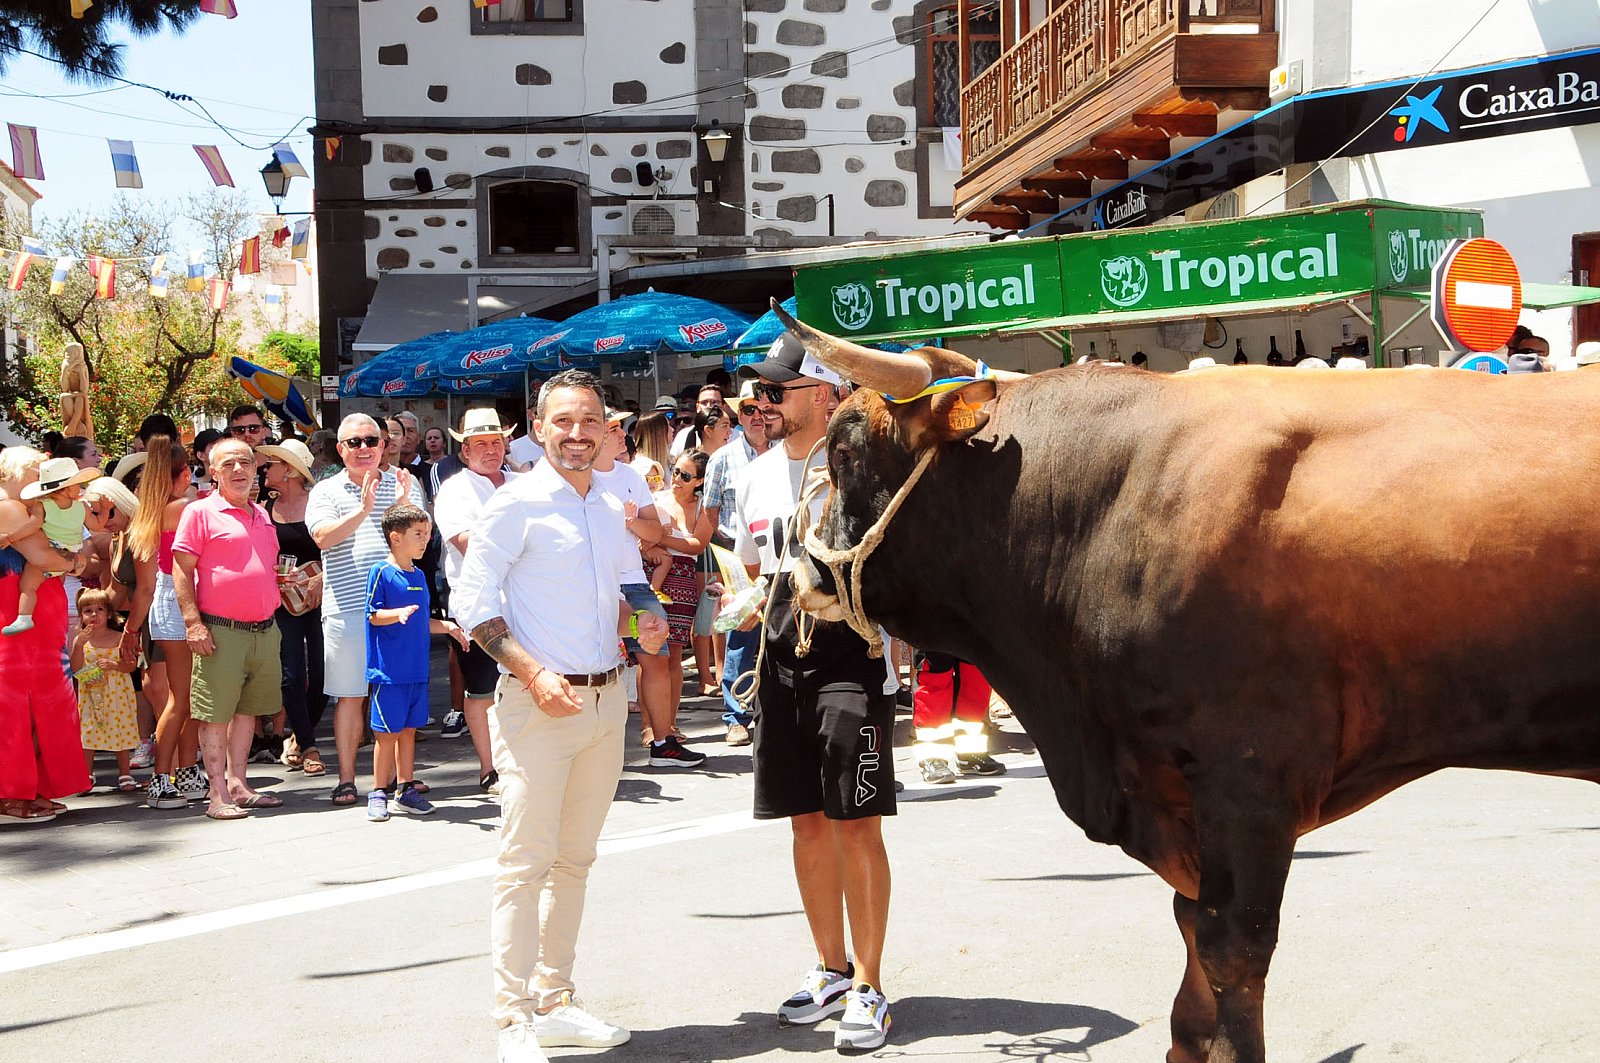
(661, 217)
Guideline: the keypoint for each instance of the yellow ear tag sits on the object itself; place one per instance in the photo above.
(963, 416)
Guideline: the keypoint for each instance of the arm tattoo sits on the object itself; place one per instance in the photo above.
(495, 638)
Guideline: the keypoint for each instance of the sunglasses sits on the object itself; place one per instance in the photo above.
(686, 477)
(774, 393)
(362, 441)
(241, 429)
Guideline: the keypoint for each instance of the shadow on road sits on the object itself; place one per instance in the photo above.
(747, 915)
(1109, 876)
(1011, 1030)
(18, 1027)
(410, 965)
(1347, 1056)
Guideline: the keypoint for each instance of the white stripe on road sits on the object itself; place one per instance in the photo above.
(260, 911)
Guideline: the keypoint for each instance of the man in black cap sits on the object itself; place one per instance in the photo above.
(823, 723)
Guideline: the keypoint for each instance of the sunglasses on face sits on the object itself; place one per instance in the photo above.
(241, 429)
(686, 477)
(774, 393)
(355, 442)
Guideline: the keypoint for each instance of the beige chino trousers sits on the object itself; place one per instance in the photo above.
(557, 781)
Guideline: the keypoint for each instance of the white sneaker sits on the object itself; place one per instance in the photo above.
(144, 754)
(820, 995)
(569, 1026)
(520, 1044)
(866, 1020)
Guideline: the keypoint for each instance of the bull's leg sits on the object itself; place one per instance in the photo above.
(1246, 843)
(1194, 1012)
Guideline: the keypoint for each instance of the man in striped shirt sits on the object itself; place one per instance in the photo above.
(345, 516)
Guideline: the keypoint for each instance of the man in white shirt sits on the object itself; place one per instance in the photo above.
(456, 509)
(824, 724)
(344, 515)
(540, 591)
(525, 450)
(709, 398)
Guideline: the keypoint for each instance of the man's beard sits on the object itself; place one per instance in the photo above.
(583, 464)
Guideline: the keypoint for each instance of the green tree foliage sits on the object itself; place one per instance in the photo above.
(144, 353)
(301, 351)
(82, 45)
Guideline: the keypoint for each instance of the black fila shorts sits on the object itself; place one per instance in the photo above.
(825, 750)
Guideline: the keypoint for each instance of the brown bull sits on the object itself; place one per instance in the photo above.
(1232, 606)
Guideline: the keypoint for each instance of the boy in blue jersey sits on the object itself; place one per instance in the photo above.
(398, 627)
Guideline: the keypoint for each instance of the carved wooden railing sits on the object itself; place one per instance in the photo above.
(1079, 46)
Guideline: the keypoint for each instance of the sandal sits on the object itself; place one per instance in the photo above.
(226, 812)
(127, 784)
(344, 794)
(489, 781)
(292, 758)
(14, 813)
(311, 762)
(419, 786)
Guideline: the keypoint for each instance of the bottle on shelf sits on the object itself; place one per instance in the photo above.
(1114, 356)
(1299, 346)
(1239, 357)
(1273, 356)
(1092, 354)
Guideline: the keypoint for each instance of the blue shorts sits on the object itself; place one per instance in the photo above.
(643, 596)
(398, 706)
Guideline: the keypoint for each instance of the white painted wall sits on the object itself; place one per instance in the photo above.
(623, 41)
(1395, 40)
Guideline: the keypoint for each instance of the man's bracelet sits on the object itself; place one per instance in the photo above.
(633, 622)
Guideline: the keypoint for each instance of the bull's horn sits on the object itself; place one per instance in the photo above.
(900, 375)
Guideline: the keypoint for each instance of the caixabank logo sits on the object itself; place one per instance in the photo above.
(1416, 112)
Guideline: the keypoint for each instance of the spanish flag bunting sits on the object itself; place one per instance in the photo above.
(250, 256)
(92, 264)
(105, 280)
(19, 271)
(225, 8)
(280, 236)
(58, 278)
(195, 279)
(219, 294)
(331, 146)
(302, 239)
(485, 3)
(211, 157)
(26, 162)
(79, 7)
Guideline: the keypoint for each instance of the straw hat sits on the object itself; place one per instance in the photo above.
(747, 394)
(57, 473)
(482, 421)
(1588, 353)
(292, 453)
(128, 464)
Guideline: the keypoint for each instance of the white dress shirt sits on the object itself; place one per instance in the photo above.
(550, 563)
(524, 450)
(456, 509)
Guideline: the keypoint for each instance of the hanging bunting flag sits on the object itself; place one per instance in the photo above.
(289, 161)
(225, 8)
(302, 239)
(158, 277)
(125, 163)
(25, 158)
(195, 281)
(92, 264)
(19, 271)
(280, 236)
(79, 7)
(219, 294)
(331, 146)
(250, 256)
(212, 158)
(32, 246)
(272, 295)
(284, 274)
(58, 278)
(485, 3)
(105, 279)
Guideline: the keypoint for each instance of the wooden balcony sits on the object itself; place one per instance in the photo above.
(1100, 85)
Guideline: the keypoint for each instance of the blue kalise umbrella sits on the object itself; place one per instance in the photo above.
(751, 346)
(398, 363)
(499, 347)
(645, 324)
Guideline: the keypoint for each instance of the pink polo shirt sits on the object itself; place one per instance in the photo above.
(238, 549)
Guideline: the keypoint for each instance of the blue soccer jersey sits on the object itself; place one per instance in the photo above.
(397, 653)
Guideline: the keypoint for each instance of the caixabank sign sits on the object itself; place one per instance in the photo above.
(1365, 246)
(1544, 92)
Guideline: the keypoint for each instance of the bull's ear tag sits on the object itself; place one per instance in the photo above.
(963, 417)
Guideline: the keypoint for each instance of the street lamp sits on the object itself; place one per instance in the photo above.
(716, 141)
(277, 183)
(829, 198)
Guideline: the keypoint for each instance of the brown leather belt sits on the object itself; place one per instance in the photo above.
(594, 679)
(238, 625)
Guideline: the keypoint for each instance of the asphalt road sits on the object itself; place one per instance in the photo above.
(1452, 921)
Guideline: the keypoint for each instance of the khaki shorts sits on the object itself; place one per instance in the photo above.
(244, 676)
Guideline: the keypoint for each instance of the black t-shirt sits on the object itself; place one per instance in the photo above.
(294, 538)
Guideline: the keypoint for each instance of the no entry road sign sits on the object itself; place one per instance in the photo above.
(1477, 294)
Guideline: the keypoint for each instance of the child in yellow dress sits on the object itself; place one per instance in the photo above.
(108, 716)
